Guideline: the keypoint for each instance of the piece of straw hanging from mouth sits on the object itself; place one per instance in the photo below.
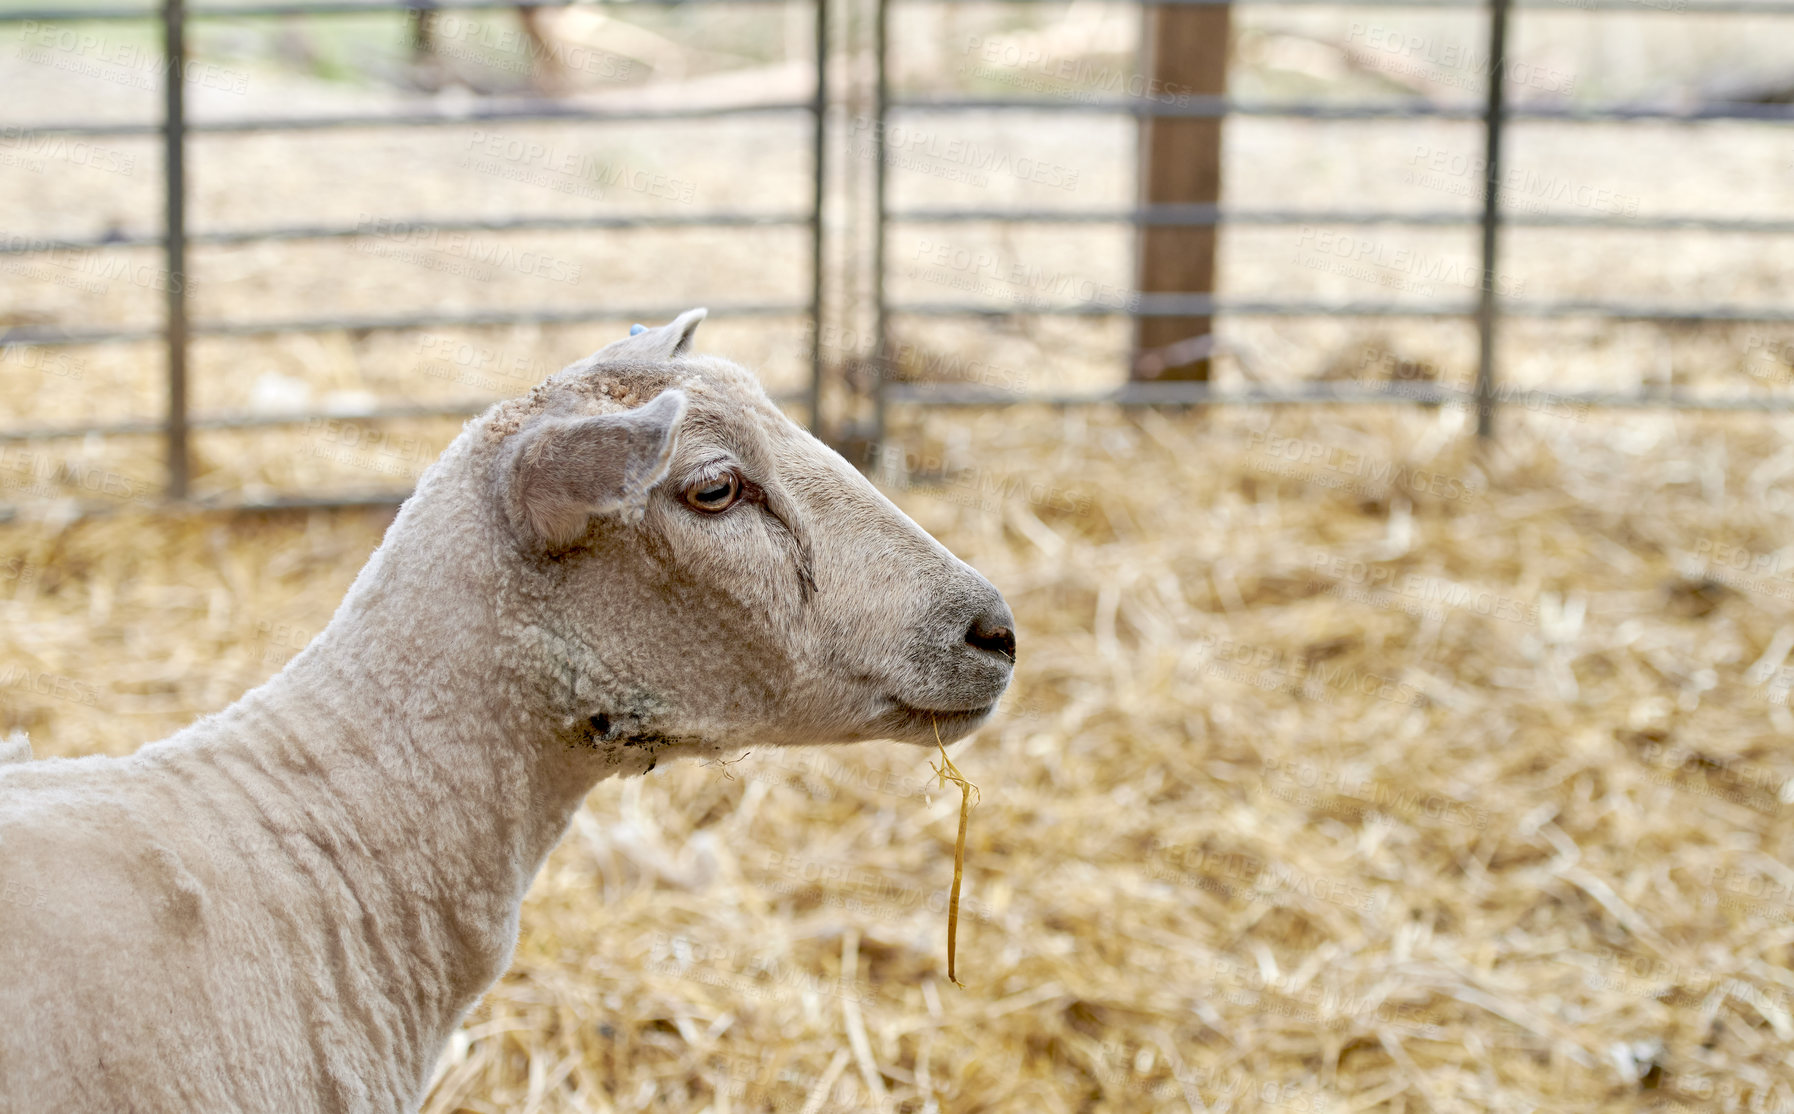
(948, 772)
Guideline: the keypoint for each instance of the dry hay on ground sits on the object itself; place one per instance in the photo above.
(1349, 766)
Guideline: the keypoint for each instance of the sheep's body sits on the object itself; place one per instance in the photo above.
(203, 929)
(285, 907)
(288, 906)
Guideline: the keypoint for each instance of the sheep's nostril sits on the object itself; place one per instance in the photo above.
(987, 632)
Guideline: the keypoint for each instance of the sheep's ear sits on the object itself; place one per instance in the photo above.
(654, 345)
(565, 470)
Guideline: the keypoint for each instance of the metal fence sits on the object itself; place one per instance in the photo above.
(178, 328)
(1487, 308)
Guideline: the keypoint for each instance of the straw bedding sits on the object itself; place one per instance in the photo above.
(1349, 766)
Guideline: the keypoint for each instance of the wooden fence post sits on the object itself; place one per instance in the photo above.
(1180, 164)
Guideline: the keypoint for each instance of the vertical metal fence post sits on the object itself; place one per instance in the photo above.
(1487, 309)
(880, 325)
(174, 134)
(816, 198)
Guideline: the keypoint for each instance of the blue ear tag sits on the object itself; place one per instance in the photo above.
(634, 329)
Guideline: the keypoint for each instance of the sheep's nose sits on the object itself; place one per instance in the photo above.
(993, 629)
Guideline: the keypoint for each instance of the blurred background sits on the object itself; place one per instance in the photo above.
(1375, 413)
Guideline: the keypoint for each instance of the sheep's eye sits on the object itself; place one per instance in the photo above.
(714, 496)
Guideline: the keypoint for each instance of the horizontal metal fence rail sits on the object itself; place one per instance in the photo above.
(18, 245)
(1198, 108)
(336, 8)
(177, 329)
(1213, 214)
(526, 113)
(1209, 108)
(1203, 305)
(466, 408)
(352, 7)
(1196, 393)
(479, 319)
(1169, 215)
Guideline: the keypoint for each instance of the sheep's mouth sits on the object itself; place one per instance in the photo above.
(911, 723)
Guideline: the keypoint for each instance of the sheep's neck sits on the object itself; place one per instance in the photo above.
(419, 767)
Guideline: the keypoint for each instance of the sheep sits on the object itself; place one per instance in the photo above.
(289, 905)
